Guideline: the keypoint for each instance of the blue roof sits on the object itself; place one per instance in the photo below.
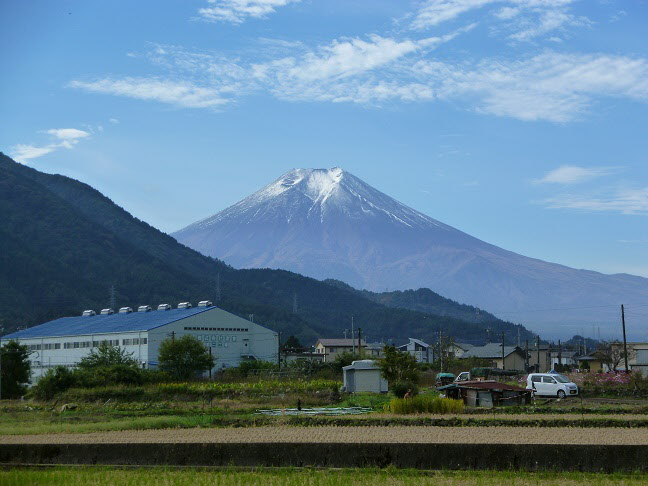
(131, 322)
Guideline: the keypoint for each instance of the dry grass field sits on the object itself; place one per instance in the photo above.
(358, 434)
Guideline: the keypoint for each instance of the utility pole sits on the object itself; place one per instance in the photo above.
(113, 300)
(441, 348)
(1, 333)
(559, 353)
(526, 354)
(503, 356)
(538, 349)
(279, 352)
(346, 331)
(360, 341)
(519, 342)
(210, 368)
(352, 337)
(625, 343)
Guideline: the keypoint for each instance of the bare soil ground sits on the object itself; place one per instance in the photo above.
(392, 434)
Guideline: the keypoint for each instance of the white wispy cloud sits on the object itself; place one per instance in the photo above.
(180, 93)
(63, 138)
(373, 70)
(238, 11)
(434, 12)
(625, 201)
(524, 19)
(572, 174)
(550, 86)
(24, 153)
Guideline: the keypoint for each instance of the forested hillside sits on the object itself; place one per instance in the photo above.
(63, 245)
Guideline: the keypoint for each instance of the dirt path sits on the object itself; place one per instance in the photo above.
(408, 434)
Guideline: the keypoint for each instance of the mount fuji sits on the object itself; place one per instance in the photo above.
(327, 223)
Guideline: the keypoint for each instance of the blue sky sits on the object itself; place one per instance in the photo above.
(521, 122)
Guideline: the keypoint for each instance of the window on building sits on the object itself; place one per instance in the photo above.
(143, 340)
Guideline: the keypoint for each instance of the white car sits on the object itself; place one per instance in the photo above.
(551, 385)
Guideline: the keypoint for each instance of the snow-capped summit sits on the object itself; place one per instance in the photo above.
(327, 223)
(316, 195)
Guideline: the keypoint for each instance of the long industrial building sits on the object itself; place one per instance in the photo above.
(65, 341)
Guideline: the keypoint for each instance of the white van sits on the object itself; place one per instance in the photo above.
(551, 385)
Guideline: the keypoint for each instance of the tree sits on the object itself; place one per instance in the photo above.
(106, 355)
(342, 360)
(615, 354)
(292, 343)
(184, 357)
(16, 369)
(398, 366)
(55, 380)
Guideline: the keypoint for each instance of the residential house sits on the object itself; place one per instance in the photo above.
(540, 358)
(637, 356)
(563, 358)
(514, 357)
(458, 349)
(331, 348)
(596, 361)
(375, 350)
(422, 351)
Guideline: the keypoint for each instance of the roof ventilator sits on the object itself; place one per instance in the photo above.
(164, 307)
(106, 312)
(184, 305)
(89, 313)
(125, 310)
(205, 303)
(144, 308)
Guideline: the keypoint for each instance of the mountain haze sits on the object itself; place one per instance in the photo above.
(327, 223)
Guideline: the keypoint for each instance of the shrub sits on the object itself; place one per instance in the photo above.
(424, 404)
(56, 380)
(399, 389)
(247, 368)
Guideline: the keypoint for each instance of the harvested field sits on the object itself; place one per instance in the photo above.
(378, 435)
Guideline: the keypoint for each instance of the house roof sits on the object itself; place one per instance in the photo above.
(376, 345)
(340, 342)
(362, 364)
(102, 324)
(415, 341)
(464, 346)
(490, 350)
(564, 354)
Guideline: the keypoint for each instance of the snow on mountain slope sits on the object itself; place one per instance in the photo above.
(330, 224)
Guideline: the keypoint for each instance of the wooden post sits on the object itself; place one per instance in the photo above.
(625, 343)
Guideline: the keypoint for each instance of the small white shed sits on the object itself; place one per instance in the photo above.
(364, 376)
